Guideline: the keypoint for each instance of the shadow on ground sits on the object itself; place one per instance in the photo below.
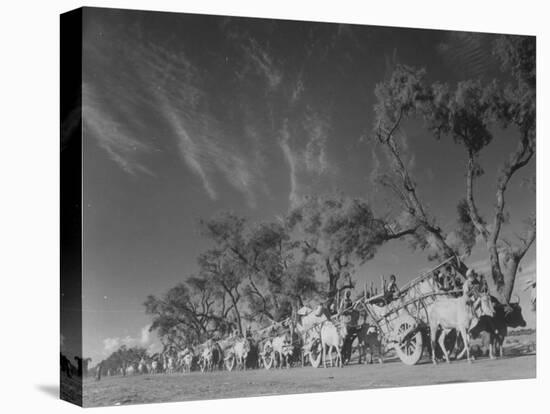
(49, 389)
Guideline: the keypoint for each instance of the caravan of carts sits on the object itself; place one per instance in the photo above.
(313, 336)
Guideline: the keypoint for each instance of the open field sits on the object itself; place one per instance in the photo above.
(196, 385)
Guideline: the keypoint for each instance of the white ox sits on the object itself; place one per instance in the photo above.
(169, 364)
(282, 349)
(142, 368)
(130, 370)
(241, 350)
(309, 321)
(450, 313)
(332, 336)
(156, 366)
(185, 359)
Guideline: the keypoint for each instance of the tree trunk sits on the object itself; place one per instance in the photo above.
(502, 277)
(333, 277)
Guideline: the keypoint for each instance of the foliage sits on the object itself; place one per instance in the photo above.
(469, 114)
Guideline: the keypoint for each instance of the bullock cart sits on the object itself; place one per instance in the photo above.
(403, 323)
(309, 329)
(275, 341)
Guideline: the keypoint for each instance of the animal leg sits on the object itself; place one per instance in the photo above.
(433, 331)
(491, 350)
(466, 339)
(442, 344)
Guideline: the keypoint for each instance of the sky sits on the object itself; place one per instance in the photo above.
(185, 116)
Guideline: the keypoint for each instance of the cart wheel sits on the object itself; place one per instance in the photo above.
(230, 362)
(410, 350)
(267, 355)
(316, 355)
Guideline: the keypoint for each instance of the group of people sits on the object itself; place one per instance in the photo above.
(451, 281)
(448, 280)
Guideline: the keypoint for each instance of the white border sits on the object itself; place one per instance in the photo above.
(30, 203)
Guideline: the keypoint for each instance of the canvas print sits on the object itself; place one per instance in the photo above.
(254, 207)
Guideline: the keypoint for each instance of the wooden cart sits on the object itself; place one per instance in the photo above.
(403, 324)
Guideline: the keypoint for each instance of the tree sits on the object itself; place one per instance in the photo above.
(264, 266)
(281, 278)
(186, 314)
(467, 114)
(226, 276)
(122, 357)
(340, 232)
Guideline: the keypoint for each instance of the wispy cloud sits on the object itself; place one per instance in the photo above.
(263, 63)
(306, 155)
(315, 154)
(207, 151)
(116, 137)
(174, 95)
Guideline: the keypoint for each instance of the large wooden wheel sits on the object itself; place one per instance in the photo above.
(316, 354)
(410, 345)
(230, 362)
(268, 356)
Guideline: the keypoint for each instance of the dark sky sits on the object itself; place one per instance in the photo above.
(189, 115)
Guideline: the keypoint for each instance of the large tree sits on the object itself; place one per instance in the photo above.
(467, 113)
(272, 278)
(340, 233)
(189, 312)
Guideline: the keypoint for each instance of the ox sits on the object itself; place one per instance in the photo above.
(486, 328)
(309, 319)
(450, 313)
(130, 369)
(142, 367)
(283, 349)
(367, 338)
(156, 365)
(241, 350)
(332, 336)
(169, 364)
(506, 316)
(188, 362)
(211, 356)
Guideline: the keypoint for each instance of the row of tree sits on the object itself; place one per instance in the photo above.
(258, 272)
(262, 271)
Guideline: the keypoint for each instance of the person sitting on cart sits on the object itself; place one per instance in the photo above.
(454, 280)
(470, 289)
(440, 280)
(392, 291)
(449, 278)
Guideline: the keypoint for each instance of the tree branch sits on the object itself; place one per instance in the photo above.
(472, 208)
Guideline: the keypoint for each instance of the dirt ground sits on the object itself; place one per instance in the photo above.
(199, 386)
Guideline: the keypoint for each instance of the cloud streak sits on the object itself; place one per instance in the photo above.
(263, 63)
(116, 137)
(174, 93)
(307, 158)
